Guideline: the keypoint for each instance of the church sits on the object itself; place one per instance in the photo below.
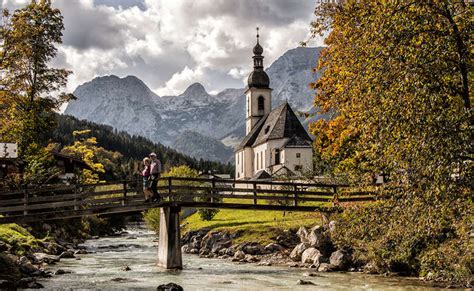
(276, 143)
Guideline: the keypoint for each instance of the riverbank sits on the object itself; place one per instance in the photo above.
(128, 261)
(270, 239)
(27, 251)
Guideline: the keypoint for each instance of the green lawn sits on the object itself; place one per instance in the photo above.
(257, 225)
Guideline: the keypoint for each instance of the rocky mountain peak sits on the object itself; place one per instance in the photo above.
(128, 104)
(195, 89)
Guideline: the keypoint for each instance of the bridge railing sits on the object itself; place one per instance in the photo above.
(122, 196)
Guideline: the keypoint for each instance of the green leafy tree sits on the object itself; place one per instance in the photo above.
(29, 87)
(396, 82)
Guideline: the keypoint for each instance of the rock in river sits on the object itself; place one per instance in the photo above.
(341, 260)
(169, 287)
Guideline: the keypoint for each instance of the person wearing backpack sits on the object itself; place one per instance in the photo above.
(155, 173)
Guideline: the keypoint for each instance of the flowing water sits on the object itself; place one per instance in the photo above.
(102, 269)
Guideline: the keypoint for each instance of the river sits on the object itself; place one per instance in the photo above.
(102, 268)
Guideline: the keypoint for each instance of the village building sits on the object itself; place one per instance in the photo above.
(276, 143)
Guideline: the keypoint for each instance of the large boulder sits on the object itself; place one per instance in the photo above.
(302, 233)
(169, 287)
(296, 253)
(341, 260)
(320, 239)
(311, 256)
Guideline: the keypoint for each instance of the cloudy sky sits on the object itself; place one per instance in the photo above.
(170, 44)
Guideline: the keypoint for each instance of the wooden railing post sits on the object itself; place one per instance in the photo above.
(213, 186)
(76, 207)
(25, 201)
(254, 193)
(124, 200)
(295, 202)
(335, 198)
(170, 189)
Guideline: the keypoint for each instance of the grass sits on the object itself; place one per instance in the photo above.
(255, 225)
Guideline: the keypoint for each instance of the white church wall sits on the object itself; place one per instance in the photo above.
(239, 164)
(304, 162)
(248, 162)
(260, 155)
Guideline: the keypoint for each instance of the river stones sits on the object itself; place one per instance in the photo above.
(273, 247)
(311, 256)
(296, 253)
(69, 254)
(304, 282)
(325, 267)
(239, 255)
(62, 272)
(169, 287)
(341, 260)
(252, 248)
(45, 258)
(302, 233)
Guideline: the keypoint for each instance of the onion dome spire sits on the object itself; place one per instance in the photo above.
(258, 78)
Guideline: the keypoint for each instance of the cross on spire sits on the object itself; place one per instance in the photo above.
(257, 33)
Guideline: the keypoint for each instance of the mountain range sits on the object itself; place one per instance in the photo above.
(195, 122)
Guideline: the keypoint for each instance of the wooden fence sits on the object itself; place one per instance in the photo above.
(60, 202)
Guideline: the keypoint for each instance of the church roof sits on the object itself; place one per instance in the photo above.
(261, 175)
(281, 122)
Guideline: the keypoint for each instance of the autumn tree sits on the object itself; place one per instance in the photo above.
(86, 149)
(396, 82)
(29, 87)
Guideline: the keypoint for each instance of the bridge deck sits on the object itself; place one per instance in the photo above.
(62, 202)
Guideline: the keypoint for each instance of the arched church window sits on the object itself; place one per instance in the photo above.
(261, 103)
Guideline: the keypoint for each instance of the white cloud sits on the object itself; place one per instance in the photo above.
(181, 80)
(172, 44)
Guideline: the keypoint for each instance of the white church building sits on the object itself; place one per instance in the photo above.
(275, 143)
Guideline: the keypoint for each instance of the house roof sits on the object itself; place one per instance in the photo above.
(261, 175)
(281, 122)
(81, 163)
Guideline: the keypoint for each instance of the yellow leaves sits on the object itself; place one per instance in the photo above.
(77, 133)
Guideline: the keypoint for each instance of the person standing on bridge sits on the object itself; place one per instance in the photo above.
(146, 179)
(155, 173)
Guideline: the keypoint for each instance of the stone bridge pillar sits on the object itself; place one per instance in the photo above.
(169, 246)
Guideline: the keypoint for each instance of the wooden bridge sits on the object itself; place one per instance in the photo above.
(126, 197)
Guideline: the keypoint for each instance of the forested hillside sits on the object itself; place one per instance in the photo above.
(133, 148)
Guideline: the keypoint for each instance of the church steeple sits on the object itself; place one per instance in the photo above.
(258, 78)
(258, 51)
(259, 96)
